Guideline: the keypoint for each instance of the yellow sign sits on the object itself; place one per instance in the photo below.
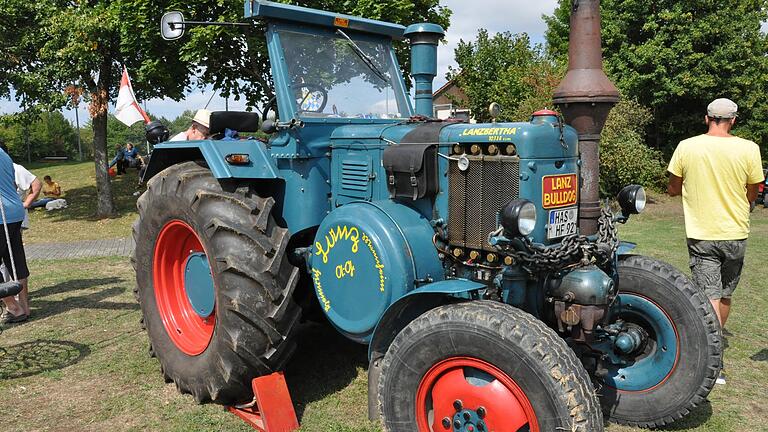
(488, 131)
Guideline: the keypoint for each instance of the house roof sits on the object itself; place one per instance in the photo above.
(447, 86)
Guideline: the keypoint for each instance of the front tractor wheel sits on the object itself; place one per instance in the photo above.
(665, 355)
(214, 283)
(484, 366)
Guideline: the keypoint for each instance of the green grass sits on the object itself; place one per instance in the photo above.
(79, 221)
(81, 363)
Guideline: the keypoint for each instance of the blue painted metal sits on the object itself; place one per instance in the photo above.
(283, 12)
(467, 420)
(541, 152)
(424, 40)
(261, 165)
(364, 259)
(624, 372)
(198, 284)
(587, 286)
(625, 248)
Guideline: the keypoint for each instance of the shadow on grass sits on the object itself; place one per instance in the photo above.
(761, 355)
(325, 362)
(47, 308)
(697, 417)
(81, 202)
(74, 285)
(35, 357)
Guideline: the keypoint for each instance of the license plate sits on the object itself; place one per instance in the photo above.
(562, 223)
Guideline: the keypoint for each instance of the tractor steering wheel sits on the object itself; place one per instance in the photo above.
(314, 100)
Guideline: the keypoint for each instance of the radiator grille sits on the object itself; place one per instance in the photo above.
(476, 195)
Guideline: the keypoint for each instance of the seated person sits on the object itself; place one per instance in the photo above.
(118, 159)
(132, 157)
(198, 130)
(51, 191)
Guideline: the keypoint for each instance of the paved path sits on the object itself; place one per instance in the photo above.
(80, 249)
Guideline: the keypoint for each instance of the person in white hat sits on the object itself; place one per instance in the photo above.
(718, 175)
(198, 130)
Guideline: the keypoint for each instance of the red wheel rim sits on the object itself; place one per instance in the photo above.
(507, 408)
(190, 332)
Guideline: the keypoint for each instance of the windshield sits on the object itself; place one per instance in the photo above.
(330, 78)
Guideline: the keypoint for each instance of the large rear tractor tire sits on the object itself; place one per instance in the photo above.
(674, 371)
(484, 366)
(214, 283)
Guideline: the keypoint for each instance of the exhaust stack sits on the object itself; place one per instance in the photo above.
(424, 39)
(586, 96)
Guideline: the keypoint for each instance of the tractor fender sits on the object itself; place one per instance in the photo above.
(413, 304)
(261, 165)
(398, 315)
(625, 248)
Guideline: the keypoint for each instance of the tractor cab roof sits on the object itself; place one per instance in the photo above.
(267, 10)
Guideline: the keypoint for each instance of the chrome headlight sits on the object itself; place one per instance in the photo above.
(632, 200)
(518, 218)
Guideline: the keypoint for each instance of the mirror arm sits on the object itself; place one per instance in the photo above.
(181, 24)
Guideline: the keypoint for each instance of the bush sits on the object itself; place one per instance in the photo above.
(624, 156)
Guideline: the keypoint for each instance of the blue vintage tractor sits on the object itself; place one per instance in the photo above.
(451, 249)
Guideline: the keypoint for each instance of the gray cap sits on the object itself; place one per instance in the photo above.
(722, 108)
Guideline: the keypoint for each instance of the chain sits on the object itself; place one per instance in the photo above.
(573, 251)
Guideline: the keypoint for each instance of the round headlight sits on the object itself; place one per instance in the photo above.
(632, 200)
(640, 200)
(518, 218)
(526, 223)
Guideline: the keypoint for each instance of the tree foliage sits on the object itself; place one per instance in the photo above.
(49, 45)
(624, 156)
(50, 134)
(676, 56)
(507, 69)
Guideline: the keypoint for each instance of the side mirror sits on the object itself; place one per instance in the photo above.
(631, 200)
(172, 25)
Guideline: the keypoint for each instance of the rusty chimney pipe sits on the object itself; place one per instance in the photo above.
(586, 96)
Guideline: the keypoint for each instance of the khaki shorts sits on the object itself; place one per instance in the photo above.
(716, 265)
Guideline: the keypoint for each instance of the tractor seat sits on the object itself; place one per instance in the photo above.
(239, 121)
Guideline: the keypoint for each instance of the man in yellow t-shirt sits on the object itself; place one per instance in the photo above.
(718, 175)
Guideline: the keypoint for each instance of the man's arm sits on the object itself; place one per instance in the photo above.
(34, 193)
(752, 192)
(675, 186)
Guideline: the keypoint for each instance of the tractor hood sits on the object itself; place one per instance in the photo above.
(543, 137)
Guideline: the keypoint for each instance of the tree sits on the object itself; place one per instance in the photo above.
(49, 134)
(51, 44)
(676, 56)
(504, 68)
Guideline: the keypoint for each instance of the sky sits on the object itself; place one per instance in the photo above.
(468, 16)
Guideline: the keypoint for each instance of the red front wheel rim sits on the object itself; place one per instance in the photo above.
(462, 392)
(190, 332)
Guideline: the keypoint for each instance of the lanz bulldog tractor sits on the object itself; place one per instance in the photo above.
(452, 250)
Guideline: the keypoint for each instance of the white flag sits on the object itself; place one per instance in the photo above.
(127, 110)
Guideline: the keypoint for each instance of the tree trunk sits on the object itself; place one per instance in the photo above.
(105, 206)
(99, 105)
